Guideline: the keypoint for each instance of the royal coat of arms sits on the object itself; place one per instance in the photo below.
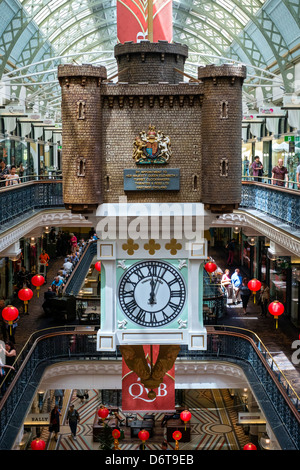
(152, 147)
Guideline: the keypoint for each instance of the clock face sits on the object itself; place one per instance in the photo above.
(152, 293)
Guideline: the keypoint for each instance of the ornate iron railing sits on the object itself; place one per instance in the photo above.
(238, 346)
(23, 200)
(276, 201)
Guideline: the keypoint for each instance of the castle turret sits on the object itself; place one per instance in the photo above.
(221, 136)
(150, 62)
(81, 136)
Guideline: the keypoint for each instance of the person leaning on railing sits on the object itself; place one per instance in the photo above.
(297, 176)
(280, 174)
(12, 178)
(3, 173)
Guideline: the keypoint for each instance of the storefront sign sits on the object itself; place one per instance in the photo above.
(251, 418)
(292, 138)
(164, 179)
(135, 395)
(37, 419)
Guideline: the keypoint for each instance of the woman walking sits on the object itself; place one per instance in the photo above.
(55, 421)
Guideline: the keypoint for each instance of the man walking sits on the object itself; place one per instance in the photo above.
(73, 419)
(236, 281)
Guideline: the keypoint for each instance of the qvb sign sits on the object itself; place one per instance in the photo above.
(135, 395)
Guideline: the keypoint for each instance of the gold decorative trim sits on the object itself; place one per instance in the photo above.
(151, 246)
(173, 246)
(130, 246)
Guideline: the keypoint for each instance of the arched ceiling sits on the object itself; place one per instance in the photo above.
(37, 35)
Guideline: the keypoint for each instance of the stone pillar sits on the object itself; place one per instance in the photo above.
(222, 134)
(81, 136)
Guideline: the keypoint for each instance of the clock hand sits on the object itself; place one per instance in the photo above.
(151, 300)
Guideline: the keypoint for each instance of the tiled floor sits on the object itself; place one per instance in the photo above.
(278, 341)
(213, 427)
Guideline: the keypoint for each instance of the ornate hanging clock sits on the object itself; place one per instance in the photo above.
(152, 293)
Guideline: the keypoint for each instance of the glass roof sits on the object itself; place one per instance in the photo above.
(262, 35)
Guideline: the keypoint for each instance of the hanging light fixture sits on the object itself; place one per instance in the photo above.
(251, 241)
(185, 416)
(103, 413)
(271, 255)
(236, 229)
(25, 295)
(10, 314)
(38, 280)
(177, 435)
(38, 444)
(116, 435)
(143, 435)
(276, 309)
(250, 446)
(254, 285)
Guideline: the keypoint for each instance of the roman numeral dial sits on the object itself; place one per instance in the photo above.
(152, 293)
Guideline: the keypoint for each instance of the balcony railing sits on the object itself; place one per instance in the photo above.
(23, 200)
(39, 192)
(277, 399)
(280, 202)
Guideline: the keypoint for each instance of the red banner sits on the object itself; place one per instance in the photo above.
(132, 20)
(135, 395)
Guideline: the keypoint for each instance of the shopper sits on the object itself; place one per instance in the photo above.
(55, 421)
(230, 246)
(257, 168)
(264, 298)
(226, 284)
(12, 178)
(73, 419)
(59, 396)
(279, 174)
(236, 281)
(245, 294)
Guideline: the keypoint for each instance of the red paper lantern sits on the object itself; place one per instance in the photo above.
(185, 416)
(38, 444)
(103, 413)
(177, 435)
(38, 280)
(98, 266)
(254, 285)
(143, 435)
(116, 434)
(250, 446)
(210, 267)
(25, 295)
(10, 314)
(276, 308)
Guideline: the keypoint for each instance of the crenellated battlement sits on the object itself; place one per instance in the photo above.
(200, 120)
